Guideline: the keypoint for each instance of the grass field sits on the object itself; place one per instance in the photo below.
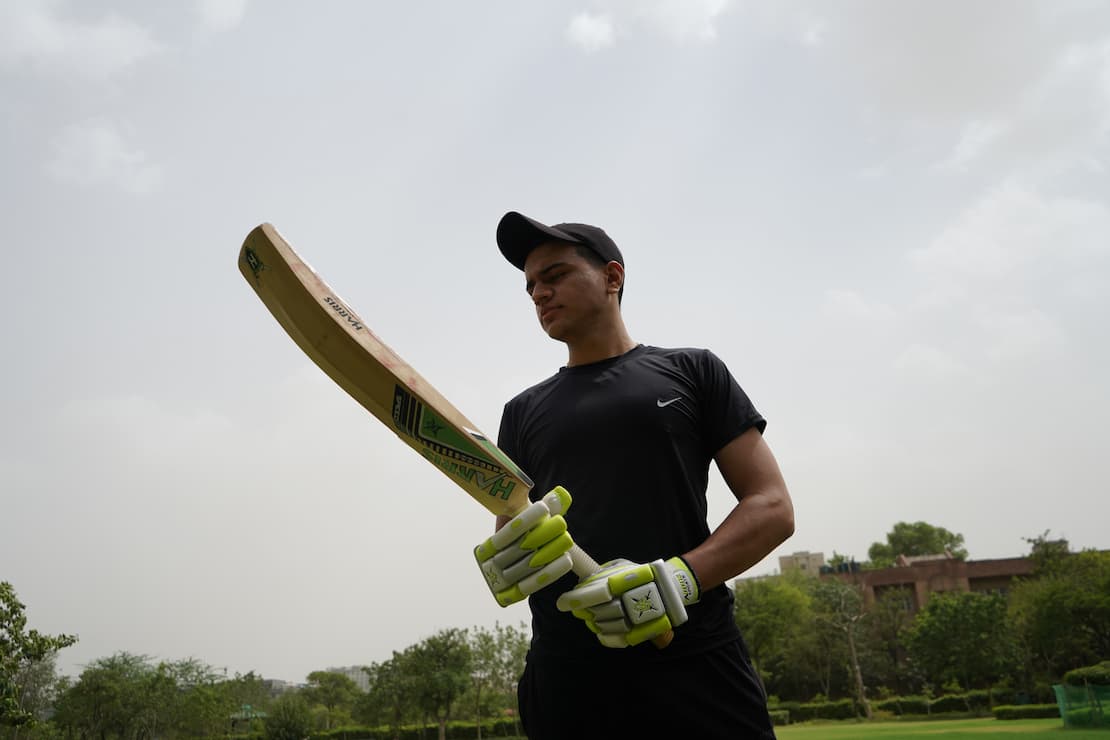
(960, 729)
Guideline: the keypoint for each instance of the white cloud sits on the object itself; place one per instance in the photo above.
(1018, 335)
(1012, 228)
(222, 15)
(685, 20)
(848, 304)
(919, 57)
(33, 32)
(96, 152)
(929, 362)
(590, 32)
(681, 21)
(974, 138)
(1036, 95)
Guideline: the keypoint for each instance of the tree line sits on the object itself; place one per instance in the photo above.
(455, 674)
(811, 638)
(817, 638)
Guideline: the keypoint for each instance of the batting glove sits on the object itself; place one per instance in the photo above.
(627, 603)
(530, 551)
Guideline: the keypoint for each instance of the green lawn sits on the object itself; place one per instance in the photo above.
(959, 729)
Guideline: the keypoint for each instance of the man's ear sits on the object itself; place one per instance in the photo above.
(614, 277)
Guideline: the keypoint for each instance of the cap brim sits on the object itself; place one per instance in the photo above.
(518, 235)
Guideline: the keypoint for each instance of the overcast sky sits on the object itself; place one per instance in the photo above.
(891, 219)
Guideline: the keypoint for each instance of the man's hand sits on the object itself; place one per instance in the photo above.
(530, 551)
(627, 603)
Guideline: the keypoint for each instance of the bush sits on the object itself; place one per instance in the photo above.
(491, 728)
(1000, 696)
(902, 705)
(948, 704)
(842, 709)
(1027, 711)
(780, 717)
(1089, 717)
(1093, 674)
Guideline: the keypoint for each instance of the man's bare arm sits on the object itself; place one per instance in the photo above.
(762, 519)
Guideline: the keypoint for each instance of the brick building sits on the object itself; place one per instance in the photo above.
(915, 579)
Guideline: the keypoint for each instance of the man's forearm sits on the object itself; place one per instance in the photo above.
(756, 525)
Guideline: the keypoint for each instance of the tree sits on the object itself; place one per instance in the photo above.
(1063, 615)
(497, 660)
(37, 686)
(442, 666)
(335, 691)
(775, 615)
(290, 718)
(839, 559)
(918, 538)
(114, 696)
(390, 698)
(841, 607)
(889, 617)
(20, 650)
(200, 701)
(246, 693)
(962, 637)
(1046, 553)
(130, 697)
(483, 651)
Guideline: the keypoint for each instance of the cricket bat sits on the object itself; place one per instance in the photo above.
(342, 345)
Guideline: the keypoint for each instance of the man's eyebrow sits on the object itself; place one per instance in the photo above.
(529, 284)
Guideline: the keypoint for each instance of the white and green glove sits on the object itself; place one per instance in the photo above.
(530, 551)
(627, 603)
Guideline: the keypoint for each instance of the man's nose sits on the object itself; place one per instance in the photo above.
(540, 294)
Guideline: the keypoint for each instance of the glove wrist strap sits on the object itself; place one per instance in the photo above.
(687, 581)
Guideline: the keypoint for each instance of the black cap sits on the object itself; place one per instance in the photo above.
(518, 235)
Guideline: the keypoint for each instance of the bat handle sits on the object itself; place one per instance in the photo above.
(586, 566)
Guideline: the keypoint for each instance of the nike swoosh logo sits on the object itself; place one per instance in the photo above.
(661, 403)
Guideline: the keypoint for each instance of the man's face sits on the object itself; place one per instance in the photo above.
(569, 292)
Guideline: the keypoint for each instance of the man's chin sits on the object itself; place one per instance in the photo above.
(556, 331)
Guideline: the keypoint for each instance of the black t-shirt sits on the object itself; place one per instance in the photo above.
(632, 439)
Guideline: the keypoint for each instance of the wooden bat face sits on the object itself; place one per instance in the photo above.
(341, 344)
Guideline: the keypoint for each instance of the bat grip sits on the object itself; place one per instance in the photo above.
(586, 566)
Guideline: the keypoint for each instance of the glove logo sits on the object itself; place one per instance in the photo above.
(643, 605)
(684, 585)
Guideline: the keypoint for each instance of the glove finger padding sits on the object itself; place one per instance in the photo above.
(627, 603)
(530, 551)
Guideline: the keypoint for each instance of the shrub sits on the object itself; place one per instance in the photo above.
(780, 717)
(1027, 711)
(1088, 717)
(786, 706)
(900, 705)
(1001, 696)
(949, 703)
(841, 709)
(1093, 674)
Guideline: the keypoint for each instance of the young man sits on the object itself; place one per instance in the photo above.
(630, 431)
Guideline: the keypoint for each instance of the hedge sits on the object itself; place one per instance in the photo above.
(1027, 711)
(491, 728)
(780, 717)
(900, 705)
(1093, 674)
(842, 709)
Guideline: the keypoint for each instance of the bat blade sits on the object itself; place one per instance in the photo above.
(342, 345)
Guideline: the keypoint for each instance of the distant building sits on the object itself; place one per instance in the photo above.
(277, 686)
(356, 674)
(915, 579)
(809, 563)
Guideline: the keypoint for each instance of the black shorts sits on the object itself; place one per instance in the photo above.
(716, 694)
